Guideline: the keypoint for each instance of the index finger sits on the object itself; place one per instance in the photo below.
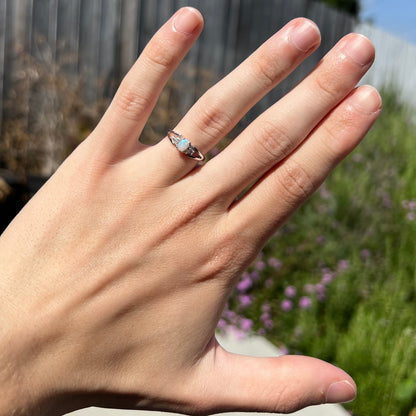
(117, 133)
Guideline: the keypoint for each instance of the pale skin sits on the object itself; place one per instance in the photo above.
(115, 274)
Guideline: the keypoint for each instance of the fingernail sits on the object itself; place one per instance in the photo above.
(186, 20)
(367, 100)
(341, 392)
(305, 36)
(359, 50)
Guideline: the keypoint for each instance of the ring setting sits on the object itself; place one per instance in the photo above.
(185, 146)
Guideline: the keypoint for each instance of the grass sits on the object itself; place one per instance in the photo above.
(338, 281)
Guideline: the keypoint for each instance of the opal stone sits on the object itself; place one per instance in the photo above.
(183, 145)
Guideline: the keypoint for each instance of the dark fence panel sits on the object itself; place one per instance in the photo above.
(96, 42)
(103, 37)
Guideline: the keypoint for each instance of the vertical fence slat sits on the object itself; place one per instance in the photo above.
(18, 21)
(53, 27)
(129, 24)
(108, 58)
(68, 31)
(3, 11)
(232, 19)
(89, 46)
(40, 30)
(148, 22)
(244, 44)
(213, 37)
(44, 30)
(165, 9)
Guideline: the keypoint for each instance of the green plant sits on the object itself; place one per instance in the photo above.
(338, 281)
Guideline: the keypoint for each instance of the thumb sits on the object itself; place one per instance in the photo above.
(278, 385)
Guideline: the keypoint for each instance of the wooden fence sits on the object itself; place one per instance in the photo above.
(103, 37)
(96, 41)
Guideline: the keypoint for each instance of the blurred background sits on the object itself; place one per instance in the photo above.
(338, 280)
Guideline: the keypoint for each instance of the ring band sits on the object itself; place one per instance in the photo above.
(185, 146)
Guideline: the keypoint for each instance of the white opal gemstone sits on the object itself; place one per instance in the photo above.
(183, 145)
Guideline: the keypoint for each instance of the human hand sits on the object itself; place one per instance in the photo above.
(115, 274)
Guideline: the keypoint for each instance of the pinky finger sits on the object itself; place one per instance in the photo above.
(284, 188)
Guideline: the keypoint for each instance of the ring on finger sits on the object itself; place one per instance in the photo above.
(185, 146)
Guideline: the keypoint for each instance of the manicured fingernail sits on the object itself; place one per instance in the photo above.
(359, 50)
(341, 392)
(305, 36)
(367, 100)
(186, 20)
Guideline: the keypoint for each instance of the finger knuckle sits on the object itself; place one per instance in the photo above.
(329, 84)
(267, 70)
(296, 182)
(131, 102)
(213, 119)
(273, 141)
(159, 55)
(335, 130)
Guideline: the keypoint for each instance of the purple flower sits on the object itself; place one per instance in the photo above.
(286, 305)
(255, 276)
(222, 324)
(268, 324)
(290, 291)
(260, 265)
(320, 288)
(411, 205)
(244, 285)
(343, 265)
(246, 324)
(275, 263)
(245, 301)
(261, 331)
(411, 216)
(265, 317)
(327, 278)
(305, 302)
(229, 315)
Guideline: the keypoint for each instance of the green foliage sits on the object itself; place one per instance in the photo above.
(349, 6)
(351, 251)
